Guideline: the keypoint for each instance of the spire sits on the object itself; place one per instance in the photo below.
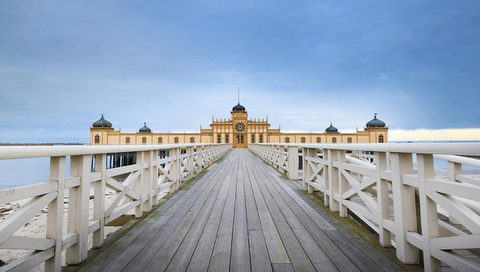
(239, 96)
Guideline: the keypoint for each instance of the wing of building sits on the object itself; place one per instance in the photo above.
(239, 131)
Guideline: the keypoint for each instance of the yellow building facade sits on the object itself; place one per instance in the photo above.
(239, 131)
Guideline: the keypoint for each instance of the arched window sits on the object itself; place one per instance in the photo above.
(319, 140)
(349, 140)
(287, 140)
(227, 138)
(176, 140)
(160, 140)
(219, 138)
(144, 140)
(302, 140)
(334, 140)
(127, 140)
(380, 138)
(253, 138)
(97, 139)
(192, 140)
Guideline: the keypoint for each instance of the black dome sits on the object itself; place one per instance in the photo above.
(331, 128)
(145, 128)
(102, 123)
(238, 107)
(375, 122)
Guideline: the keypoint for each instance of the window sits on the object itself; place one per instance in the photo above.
(261, 138)
(287, 140)
(380, 138)
(127, 140)
(176, 140)
(219, 138)
(144, 140)
(303, 140)
(227, 138)
(253, 138)
(97, 139)
(241, 139)
(160, 140)
(319, 140)
(192, 140)
(334, 140)
(349, 140)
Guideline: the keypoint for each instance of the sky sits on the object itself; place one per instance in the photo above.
(174, 64)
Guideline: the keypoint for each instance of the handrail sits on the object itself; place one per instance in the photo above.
(466, 148)
(136, 188)
(22, 152)
(372, 180)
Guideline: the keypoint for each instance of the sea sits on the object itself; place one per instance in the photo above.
(21, 172)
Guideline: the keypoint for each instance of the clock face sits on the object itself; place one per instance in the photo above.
(240, 127)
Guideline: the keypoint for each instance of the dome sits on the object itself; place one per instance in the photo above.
(145, 128)
(331, 128)
(238, 107)
(375, 122)
(102, 123)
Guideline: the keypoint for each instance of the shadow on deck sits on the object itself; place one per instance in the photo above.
(242, 215)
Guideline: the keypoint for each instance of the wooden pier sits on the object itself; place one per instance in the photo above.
(241, 215)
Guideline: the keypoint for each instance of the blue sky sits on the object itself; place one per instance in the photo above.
(174, 64)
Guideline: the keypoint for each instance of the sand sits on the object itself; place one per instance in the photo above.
(36, 227)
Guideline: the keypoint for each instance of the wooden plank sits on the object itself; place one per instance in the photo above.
(275, 246)
(253, 219)
(186, 250)
(203, 252)
(282, 267)
(361, 260)
(148, 250)
(240, 257)
(316, 217)
(170, 247)
(258, 251)
(296, 251)
(373, 254)
(220, 260)
(339, 259)
(122, 259)
(317, 256)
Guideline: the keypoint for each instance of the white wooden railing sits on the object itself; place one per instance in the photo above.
(411, 205)
(135, 187)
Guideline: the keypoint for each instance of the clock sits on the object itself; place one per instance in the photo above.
(240, 127)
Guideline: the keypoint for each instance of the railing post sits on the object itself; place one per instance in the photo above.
(281, 159)
(99, 199)
(155, 177)
(333, 180)
(292, 162)
(147, 183)
(428, 211)
(138, 183)
(307, 169)
(342, 183)
(78, 217)
(404, 204)
(191, 162)
(453, 169)
(55, 213)
(176, 167)
(382, 198)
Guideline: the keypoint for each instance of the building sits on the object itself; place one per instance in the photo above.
(239, 131)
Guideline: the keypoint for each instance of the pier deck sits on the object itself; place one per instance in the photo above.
(241, 215)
